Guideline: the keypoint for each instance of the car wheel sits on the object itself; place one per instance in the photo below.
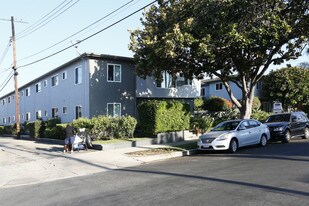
(263, 141)
(233, 146)
(287, 137)
(306, 135)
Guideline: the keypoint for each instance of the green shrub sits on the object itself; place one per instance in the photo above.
(201, 123)
(260, 115)
(256, 104)
(1, 129)
(163, 116)
(56, 132)
(126, 126)
(10, 129)
(217, 104)
(52, 122)
(198, 104)
(34, 129)
(82, 123)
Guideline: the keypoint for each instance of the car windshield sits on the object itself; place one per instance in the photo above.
(279, 118)
(226, 126)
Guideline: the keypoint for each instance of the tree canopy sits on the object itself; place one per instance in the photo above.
(234, 40)
(290, 86)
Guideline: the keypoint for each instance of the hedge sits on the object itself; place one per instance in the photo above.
(163, 116)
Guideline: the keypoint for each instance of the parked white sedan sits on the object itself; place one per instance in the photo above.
(230, 135)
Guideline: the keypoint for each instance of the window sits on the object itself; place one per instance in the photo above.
(22, 116)
(78, 75)
(13, 118)
(54, 112)
(27, 91)
(259, 85)
(28, 116)
(64, 110)
(45, 113)
(4, 120)
(38, 114)
(219, 86)
(38, 87)
(64, 75)
(45, 83)
(9, 119)
(3, 101)
(78, 112)
(113, 73)
(9, 99)
(54, 80)
(203, 92)
(167, 81)
(114, 109)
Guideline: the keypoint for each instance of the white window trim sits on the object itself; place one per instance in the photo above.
(28, 116)
(38, 114)
(114, 108)
(80, 106)
(45, 83)
(219, 86)
(114, 72)
(66, 110)
(27, 93)
(80, 75)
(64, 75)
(51, 80)
(38, 87)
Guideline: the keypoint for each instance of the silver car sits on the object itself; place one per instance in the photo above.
(230, 135)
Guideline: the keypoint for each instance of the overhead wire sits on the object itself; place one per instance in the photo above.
(94, 34)
(104, 17)
(38, 21)
(5, 52)
(43, 24)
(6, 81)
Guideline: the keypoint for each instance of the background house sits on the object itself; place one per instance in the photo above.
(88, 86)
(215, 87)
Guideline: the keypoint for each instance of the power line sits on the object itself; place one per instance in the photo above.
(43, 23)
(37, 22)
(78, 31)
(96, 33)
(7, 81)
(5, 52)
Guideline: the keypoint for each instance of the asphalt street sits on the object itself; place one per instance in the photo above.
(277, 174)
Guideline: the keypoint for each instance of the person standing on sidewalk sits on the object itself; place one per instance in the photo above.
(69, 138)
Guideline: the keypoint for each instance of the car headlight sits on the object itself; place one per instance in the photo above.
(221, 138)
(278, 129)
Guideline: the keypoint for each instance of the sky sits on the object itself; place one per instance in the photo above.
(50, 22)
(33, 37)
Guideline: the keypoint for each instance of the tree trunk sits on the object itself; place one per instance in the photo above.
(246, 108)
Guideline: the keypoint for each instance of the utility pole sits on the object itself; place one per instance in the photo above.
(15, 79)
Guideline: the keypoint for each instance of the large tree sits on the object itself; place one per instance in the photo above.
(290, 86)
(234, 40)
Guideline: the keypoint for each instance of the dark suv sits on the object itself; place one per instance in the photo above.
(285, 126)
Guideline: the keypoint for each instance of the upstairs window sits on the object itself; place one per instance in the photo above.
(54, 80)
(64, 75)
(219, 86)
(45, 83)
(78, 75)
(167, 81)
(28, 116)
(27, 91)
(113, 73)
(38, 87)
(9, 99)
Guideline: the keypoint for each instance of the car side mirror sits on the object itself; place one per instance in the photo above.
(294, 119)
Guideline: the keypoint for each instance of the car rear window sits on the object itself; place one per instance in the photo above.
(279, 118)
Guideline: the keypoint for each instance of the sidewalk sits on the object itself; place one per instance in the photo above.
(25, 162)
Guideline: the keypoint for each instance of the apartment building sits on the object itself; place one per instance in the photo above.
(92, 85)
